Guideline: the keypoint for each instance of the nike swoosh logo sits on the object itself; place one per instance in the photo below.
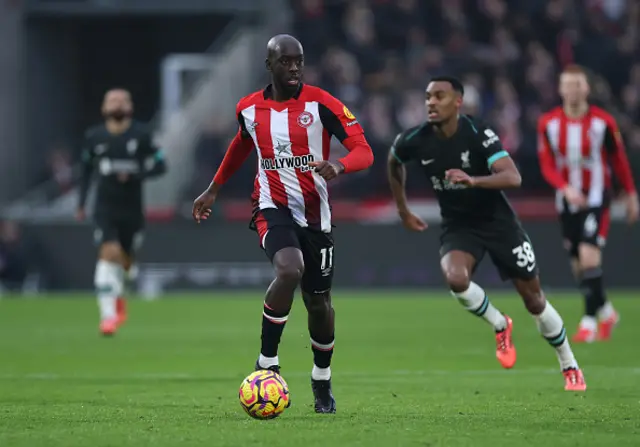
(531, 267)
(427, 162)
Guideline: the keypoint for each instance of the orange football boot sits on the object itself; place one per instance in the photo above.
(606, 327)
(121, 310)
(574, 380)
(109, 326)
(505, 350)
(584, 335)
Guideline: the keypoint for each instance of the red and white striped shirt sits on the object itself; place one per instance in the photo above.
(579, 152)
(287, 136)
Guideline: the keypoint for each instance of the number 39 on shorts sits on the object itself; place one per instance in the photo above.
(525, 258)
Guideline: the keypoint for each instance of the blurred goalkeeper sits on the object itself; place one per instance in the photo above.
(122, 155)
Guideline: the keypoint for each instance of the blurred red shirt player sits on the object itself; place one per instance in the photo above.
(579, 145)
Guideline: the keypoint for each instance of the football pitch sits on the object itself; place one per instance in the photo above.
(410, 369)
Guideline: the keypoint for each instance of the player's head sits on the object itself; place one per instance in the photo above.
(285, 61)
(443, 98)
(117, 104)
(574, 85)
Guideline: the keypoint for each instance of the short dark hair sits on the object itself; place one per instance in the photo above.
(455, 83)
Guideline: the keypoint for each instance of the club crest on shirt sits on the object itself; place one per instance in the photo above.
(348, 113)
(132, 146)
(464, 157)
(305, 119)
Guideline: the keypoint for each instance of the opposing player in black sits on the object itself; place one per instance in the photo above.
(467, 167)
(122, 152)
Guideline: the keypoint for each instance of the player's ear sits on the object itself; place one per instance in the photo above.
(459, 100)
(267, 64)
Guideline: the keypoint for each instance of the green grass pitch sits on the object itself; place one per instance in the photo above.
(410, 369)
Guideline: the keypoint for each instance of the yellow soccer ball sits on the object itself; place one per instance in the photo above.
(264, 394)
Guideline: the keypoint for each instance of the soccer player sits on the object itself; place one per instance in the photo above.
(577, 143)
(467, 167)
(123, 152)
(290, 125)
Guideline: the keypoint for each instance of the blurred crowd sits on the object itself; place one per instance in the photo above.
(377, 55)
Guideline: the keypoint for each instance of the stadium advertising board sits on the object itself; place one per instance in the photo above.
(184, 256)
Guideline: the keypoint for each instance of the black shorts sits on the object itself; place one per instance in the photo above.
(510, 249)
(277, 230)
(590, 226)
(127, 231)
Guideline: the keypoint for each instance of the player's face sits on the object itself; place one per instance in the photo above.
(117, 105)
(286, 65)
(574, 87)
(442, 101)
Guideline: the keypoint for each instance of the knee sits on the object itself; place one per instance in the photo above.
(457, 278)
(290, 272)
(534, 301)
(317, 304)
(589, 257)
(111, 252)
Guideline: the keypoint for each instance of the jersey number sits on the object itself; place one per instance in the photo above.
(327, 258)
(525, 258)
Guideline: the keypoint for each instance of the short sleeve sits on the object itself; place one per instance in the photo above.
(400, 149)
(490, 145)
(337, 119)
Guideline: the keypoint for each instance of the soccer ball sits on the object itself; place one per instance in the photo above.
(264, 394)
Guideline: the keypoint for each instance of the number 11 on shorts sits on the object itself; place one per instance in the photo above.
(327, 258)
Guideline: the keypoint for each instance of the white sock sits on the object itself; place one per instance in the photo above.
(266, 362)
(321, 373)
(589, 322)
(476, 301)
(607, 311)
(552, 328)
(108, 283)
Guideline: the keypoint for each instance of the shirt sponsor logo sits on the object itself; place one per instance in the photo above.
(348, 113)
(300, 162)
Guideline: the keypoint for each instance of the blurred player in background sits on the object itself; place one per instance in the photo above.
(577, 143)
(123, 152)
(290, 125)
(468, 167)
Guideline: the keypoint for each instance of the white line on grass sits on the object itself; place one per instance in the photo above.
(177, 376)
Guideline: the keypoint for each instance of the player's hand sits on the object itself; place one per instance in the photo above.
(123, 177)
(411, 221)
(458, 176)
(633, 208)
(328, 170)
(574, 197)
(202, 206)
(80, 215)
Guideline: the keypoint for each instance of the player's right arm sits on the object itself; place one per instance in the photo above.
(397, 176)
(87, 161)
(550, 170)
(237, 153)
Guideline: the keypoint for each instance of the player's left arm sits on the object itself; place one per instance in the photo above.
(504, 173)
(614, 145)
(341, 123)
(154, 163)
(88, 162)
